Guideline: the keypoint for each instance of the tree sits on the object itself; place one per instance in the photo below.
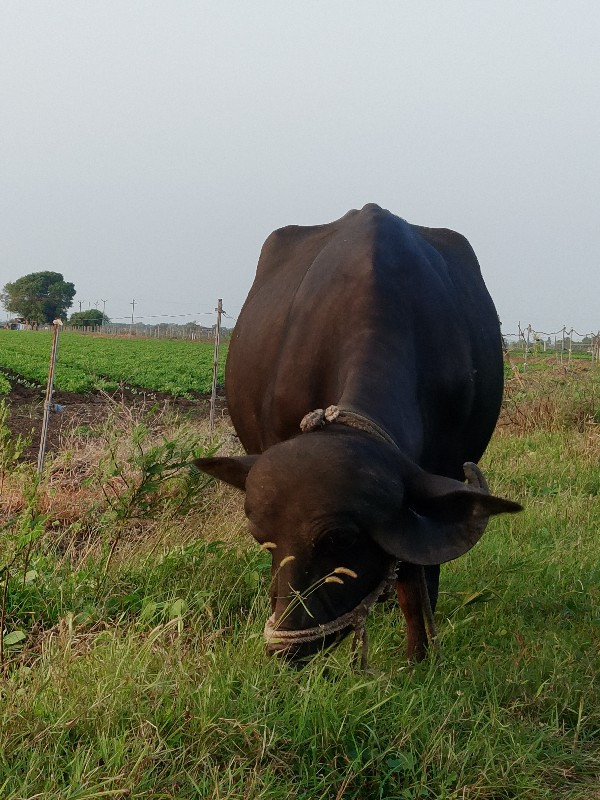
(93, 316)
(39, 297)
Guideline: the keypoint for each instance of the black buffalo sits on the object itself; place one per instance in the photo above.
(385, 330)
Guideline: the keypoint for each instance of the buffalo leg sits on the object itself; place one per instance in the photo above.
(408, 586)
(432, 579)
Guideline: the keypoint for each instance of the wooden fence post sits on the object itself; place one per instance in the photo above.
(526, 348)
(570, 345)
(48, 399)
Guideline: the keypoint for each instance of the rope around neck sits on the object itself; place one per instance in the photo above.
(352, 419)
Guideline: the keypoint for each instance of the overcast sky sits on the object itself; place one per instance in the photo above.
(147, 149)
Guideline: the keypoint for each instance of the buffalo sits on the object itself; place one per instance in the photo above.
(364, 379)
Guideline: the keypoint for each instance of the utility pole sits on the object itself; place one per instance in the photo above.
(103, 309)
(213, 396)
(132, 304)
(79, 301)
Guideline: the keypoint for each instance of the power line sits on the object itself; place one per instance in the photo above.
(170, 316)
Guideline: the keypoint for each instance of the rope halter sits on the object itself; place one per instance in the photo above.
(355, 619)
(283, 640)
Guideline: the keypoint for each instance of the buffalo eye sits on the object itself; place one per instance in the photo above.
(337, 541)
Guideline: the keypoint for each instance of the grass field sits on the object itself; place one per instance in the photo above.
(135, 601)
(89, 363)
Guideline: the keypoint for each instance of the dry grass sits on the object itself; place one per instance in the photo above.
(550, 400)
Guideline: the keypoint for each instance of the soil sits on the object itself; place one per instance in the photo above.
(69, 411)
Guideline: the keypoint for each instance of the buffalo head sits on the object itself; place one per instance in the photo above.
(334, 509)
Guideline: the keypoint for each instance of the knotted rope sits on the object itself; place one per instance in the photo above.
(318, 419)
(354, 619)
(352, 419)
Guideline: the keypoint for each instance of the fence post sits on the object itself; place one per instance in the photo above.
(48, 399)
(526, 348)
(570, 345)
(213, 395)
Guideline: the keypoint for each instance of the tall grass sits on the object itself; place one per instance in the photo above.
(148, 679)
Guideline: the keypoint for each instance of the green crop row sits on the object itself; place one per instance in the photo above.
(4, 385)
(86, 364)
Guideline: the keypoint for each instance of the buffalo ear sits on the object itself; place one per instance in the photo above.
(441, 519)
(233, 470)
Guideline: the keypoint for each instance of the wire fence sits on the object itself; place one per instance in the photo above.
(154, 326)
(565, 345)
(199, 333)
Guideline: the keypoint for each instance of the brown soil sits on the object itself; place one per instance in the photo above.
(70, 411)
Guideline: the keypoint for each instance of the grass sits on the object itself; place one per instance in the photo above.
(148, 679)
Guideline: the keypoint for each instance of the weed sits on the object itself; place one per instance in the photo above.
(11, 448)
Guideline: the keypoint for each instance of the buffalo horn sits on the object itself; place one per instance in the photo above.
(475, 477)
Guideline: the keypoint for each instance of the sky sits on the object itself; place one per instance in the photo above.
(148, 148)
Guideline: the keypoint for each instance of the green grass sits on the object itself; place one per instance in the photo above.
(149, 680)
(86, 363)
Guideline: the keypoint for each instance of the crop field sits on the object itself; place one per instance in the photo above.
(132, 604)
(86, 364)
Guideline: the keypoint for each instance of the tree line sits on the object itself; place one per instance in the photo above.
(42, 297)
